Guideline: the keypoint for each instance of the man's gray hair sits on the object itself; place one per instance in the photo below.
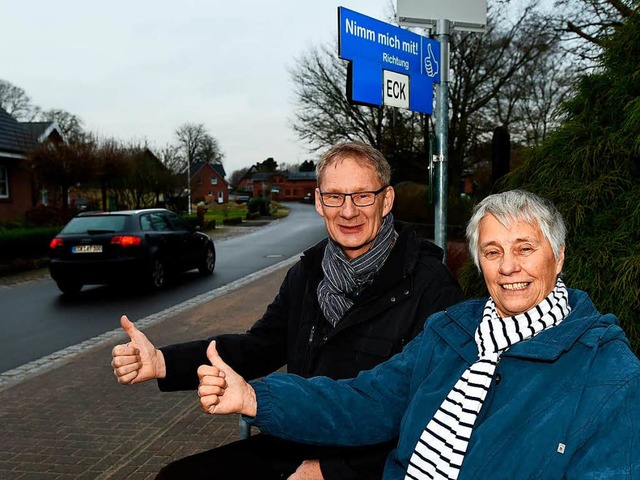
(360, 152)
(518, 205)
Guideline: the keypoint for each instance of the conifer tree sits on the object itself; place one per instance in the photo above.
(590, 168)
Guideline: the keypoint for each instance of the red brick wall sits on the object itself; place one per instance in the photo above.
(201, 186)
(20, 193)
(289, 191)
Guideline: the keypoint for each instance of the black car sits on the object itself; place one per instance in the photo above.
(140, 246)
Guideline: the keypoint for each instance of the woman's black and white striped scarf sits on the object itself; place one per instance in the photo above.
(442, 446)
(343, 277)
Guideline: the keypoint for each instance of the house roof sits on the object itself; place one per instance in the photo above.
(301, 175)
(261, 176)
(40, 131)
(14, 138)
(292, 176)
(218, 167)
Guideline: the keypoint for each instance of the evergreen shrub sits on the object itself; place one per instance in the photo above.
(589, 167)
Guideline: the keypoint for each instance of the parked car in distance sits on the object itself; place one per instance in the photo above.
(141, 246)
(239, 197)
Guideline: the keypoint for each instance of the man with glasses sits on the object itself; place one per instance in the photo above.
(350, 303)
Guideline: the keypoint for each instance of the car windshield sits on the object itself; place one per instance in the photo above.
(97, 224)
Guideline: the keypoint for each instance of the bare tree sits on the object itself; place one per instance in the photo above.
(141, 185)
(71, 125)
(537, 112)
(209, 150)
(485, 69)
(175, 191)
(171, 157)
(236, 176)
(112, 166)
(324, 115)
(15, 101)
(527, 104)
(64, 165)
(197, 145)
(190, 137)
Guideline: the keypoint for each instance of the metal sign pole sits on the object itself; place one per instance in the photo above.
(443, 34)
(188, 187)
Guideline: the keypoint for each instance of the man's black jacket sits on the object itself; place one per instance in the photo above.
(412, 284)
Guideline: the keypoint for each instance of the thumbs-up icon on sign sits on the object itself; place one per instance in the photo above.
(430, 62)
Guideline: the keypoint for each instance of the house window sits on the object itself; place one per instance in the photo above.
(44, 196)
(214, 181)
(199, 182)
(4, 182)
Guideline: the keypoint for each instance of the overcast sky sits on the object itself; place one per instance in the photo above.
(137, 69)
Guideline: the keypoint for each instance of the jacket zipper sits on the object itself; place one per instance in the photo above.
(313, 330)
(308, 355)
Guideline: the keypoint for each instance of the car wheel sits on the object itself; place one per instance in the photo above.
(208, 263)
(157, 276)
(69, 287)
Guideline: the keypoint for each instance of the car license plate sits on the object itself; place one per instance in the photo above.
(86, 249)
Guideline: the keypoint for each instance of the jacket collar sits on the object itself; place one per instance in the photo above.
(457, 327)
(401, 261)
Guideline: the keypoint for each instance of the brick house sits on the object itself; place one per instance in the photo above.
(18, 190)
(280, 186)
(42, 132)
(208, 184)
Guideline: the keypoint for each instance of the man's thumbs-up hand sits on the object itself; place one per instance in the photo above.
(137, 360)
(222, 390)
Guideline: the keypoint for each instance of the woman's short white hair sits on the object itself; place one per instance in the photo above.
(518, 205)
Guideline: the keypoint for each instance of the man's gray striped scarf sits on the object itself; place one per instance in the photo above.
(441, 448)
(343, 277)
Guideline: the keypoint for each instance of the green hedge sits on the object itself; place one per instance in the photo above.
(259, 205)
(26, 243)
(232, 221)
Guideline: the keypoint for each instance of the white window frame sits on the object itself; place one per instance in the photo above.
(214, 180)
(4, 182)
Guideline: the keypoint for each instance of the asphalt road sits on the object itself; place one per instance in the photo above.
(36, 320)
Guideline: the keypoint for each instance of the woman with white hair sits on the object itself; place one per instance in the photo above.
(532, 382)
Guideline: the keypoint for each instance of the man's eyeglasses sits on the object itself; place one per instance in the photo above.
(359, 199)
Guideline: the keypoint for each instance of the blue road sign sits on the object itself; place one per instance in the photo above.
(373, 46)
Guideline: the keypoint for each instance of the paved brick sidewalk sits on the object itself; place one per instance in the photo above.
(76, 422)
